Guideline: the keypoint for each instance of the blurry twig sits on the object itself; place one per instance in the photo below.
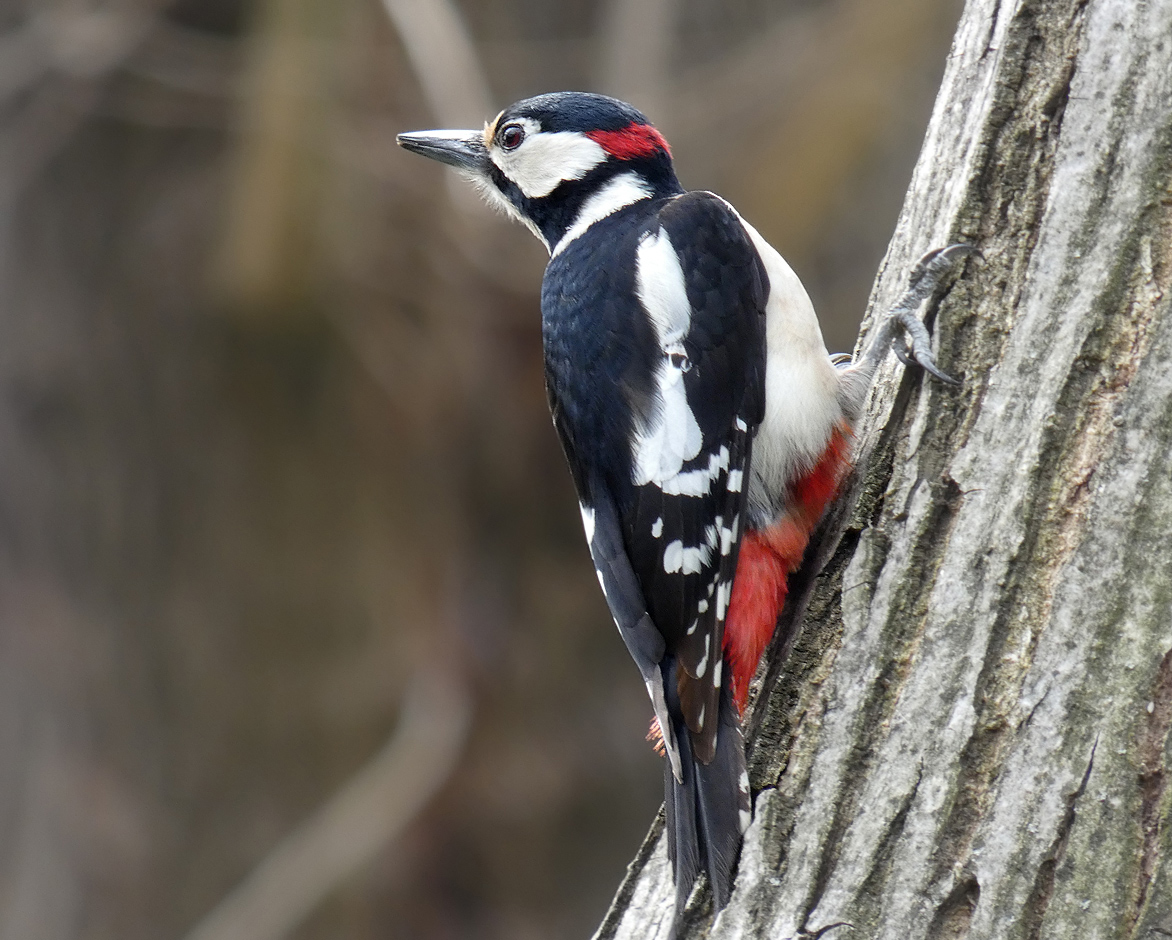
(84, 43)
(456, 89)
(444, 59)
(635, 60)
(356, 823)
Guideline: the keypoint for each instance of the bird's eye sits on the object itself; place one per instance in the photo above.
(512, 136)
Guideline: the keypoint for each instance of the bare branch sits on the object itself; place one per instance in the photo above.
(355, 824)
(444, 59)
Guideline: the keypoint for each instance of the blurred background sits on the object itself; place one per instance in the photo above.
(298, 632)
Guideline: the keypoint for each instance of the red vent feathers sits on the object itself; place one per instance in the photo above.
(766, 559)
(634, 140)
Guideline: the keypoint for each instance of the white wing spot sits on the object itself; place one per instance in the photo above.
(692, 628)
(734, 481)
(697, 482)
(743, 783)
(587, 521)
(673, 557)
(702, 666)
(686, 560)
(727, 538)
(601, 582)
(657, 528)
(746, 818)
(716, 673)
(702, 606)
(722, 594)
(700, 717)
(741, 426)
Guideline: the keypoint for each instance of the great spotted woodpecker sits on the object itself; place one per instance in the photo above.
(705, 425)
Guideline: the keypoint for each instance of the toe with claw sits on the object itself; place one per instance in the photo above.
(914, 343)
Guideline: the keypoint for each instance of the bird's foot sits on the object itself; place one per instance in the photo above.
(914, 346)
(927, 275)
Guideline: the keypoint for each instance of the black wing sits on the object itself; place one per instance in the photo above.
(654, 336)
(655, 356)
(683, 528)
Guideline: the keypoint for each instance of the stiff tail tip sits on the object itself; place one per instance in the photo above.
(708, 811)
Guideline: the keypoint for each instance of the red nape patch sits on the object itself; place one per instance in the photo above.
(634, 140)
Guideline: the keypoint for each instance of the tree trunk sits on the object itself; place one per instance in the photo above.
(968, 733)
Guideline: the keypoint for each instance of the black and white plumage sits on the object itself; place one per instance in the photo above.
(692, 393)
(659, 445)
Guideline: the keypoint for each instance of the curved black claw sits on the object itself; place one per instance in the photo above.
(926, 362)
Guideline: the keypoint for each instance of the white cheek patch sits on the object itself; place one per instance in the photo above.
(545, 160)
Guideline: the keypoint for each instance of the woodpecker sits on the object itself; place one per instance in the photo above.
(705, 425)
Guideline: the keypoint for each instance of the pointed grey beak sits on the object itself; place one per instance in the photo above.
(464, 150)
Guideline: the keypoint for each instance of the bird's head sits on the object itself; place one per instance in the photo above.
(558, 161)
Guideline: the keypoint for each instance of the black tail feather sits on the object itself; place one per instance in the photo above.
(722, 790)
(707, 810)
(683, 845)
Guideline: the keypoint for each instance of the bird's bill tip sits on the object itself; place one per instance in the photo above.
(462, 149)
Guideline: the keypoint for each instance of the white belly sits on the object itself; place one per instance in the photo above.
(801, 401)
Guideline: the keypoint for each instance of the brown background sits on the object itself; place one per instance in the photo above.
(273, 439)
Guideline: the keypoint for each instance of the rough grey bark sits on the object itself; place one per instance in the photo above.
(968, 734)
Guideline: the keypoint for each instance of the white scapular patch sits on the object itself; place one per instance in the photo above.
(672, 436)
(734, 481)
(686, 560)
(657, 528)
(622, 191)
(661, 289)
(545, 160)
(716, 673)
(587, 522)
(697, 482)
